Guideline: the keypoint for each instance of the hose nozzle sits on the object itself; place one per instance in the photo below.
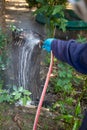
(40, 43)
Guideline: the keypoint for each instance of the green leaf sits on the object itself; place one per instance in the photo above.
(69, 100)
(28, 99)
(14, 88)
(17, 96)
(78, 109)
(1, 84)
(42, 10)
(57, 9)
(40, 1)
(26, 92)
(76, 124)
(20, 89)
(68, 117)
(24, 100)
(1, 98)
(8, 98)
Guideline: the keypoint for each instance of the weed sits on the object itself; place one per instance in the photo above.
(18, 94)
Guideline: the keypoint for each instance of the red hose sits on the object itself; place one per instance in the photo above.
(43, 93)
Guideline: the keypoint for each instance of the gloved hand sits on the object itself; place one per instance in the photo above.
(47, 44)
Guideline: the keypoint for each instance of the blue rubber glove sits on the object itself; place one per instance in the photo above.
(47, 44)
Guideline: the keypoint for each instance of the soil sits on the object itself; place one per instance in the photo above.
(19, 14)
(22, 118)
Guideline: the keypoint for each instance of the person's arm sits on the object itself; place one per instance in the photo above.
(71, 52)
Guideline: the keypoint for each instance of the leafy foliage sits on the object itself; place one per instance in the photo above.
(21, 94)
(54, 15)
(52, 2)
(3, 56)
(81, 39)
(18, 94)
(39, 3)
(64, 85)
(65, 79)
(72, 118)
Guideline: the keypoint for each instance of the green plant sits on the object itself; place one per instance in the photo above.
(54, 15)
(63, 85)
(53, 2)
(71, 119)
(3, 48)
(3, 56)
(4, 96)
(38, 3)
(17, 94)
(20, 94)
(46, 127)
(14, 28)
(65, 79)
(81, 39)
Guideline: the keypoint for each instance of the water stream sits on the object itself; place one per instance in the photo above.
(25, 60)
(24, 67)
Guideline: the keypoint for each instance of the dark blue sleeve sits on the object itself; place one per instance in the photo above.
(71, 52)
(84, 123)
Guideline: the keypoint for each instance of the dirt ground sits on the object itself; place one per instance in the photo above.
(22, 118)
(19, 14)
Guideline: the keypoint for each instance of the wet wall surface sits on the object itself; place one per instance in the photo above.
(19, 15)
